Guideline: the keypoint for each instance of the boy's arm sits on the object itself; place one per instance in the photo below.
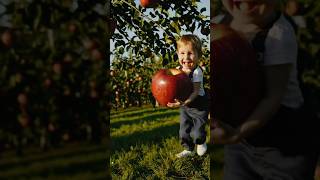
(276, 77)
(194, 94)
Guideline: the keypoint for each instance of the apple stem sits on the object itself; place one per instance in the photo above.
(161, 27)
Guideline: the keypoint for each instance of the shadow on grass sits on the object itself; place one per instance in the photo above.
(216, 165)
(47, 156)
(144, 137)
(143, 119)
(71, 169)
(137, 112)
(129, 110)
(216, 161)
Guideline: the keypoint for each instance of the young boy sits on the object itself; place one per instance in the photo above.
(194, 110)
(273, 142)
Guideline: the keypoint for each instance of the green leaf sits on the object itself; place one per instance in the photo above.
(176, 26)
(202, 10)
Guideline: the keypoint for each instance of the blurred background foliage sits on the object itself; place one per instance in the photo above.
(53, 72)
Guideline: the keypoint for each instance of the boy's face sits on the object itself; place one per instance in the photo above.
(188, 57)
(250, 11)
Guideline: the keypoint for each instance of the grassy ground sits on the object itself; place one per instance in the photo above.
(72, 161)
(144, 144)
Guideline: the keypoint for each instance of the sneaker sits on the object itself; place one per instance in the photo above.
(184, 153)
(201, 149)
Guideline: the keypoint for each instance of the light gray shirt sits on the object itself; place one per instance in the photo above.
(281, 48)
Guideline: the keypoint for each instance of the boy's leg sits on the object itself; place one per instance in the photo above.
(287, 167)
(239, 163)
(185, 129)
(243, 161)
(200, 119)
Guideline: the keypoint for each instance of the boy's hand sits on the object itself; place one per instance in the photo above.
(224, 134)
(176, 104)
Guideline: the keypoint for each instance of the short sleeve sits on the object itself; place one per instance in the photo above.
(217, 19)
(281, 44)
(197, 75)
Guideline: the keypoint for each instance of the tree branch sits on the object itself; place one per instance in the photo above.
(136, 9)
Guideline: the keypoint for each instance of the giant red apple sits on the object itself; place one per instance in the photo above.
(236, 76)
(148, 3)
(170, 84)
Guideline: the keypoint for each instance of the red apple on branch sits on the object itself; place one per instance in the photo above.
(7, 38)
(170, 84)
(57, 68)
(90, 44)
(96, 54)
(149, 3)
(72, 27)
(23, 120)
(22, 99)
(236, 76)
(112, 25)
(47, 82)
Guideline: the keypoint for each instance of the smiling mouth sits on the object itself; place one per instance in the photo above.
(245, 6)
(187, 63)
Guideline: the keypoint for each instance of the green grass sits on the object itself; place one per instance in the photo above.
(144, 144)
(73, 161)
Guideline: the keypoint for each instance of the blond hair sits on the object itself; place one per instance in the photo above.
(194, 40)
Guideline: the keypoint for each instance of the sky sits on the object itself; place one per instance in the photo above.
(203, 3)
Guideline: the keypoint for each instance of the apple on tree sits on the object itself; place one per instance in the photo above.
(96, 54)
(170, 84)
(7, 38)
(47, 82)
(22, 99)
(112, 25)
(149, 3)
(23, 120)
(72, 27)
(90, 44)
(57, 68)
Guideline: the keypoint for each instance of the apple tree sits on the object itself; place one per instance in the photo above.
(52, 74)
